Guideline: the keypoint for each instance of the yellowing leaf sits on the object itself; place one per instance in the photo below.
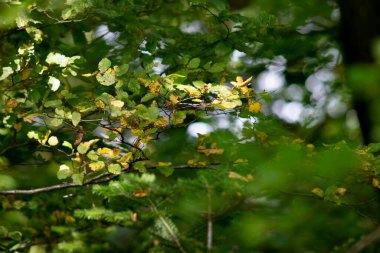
(111, 153)
(235, 175)
(95, 166)
(208, 152)
(114, 168)
(240, 82)
(254, 107)
(375, 183)
(125, 159)
(193, 92)
(319, 192)
(340, 191)
(117, 103)
(140, 194)
(64, 172)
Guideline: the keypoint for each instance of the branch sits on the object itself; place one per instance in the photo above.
(99, 179)
(365, 241)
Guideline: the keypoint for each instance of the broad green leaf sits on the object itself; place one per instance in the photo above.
(64, 172)
(92, 155)
(95, 166)
(114, 168)
(148, 96)
(83, 148)
(217, 67)
(56, 122)
(140, 166)
(75, 118)
(78, 178)
(107, 78)
(165, 170)
(194, 63)
(54, 83)
(53, 103)
(67, 144)
(122, 70)
(104, 64)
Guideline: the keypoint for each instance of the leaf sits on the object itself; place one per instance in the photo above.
(319, 192)
(217, 67)
(75, 118)
(53, 103)
(148, 96)
(213, 151)
(122, 70)
(64, 172)
(104, 64)
(194, 63)
(240, 82)
(57, 58)
(83, 148)
(96, 166)
(254, 107)
(140, 166)
(165, 170)
(7, 71)
(92, 155)
(78, 178)
(67, 144)
(106, 79)
(125, 159)
(110, 153)
(114, 168)
(193, 92)
(53, 141)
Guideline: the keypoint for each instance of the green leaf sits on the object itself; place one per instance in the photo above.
(53, 103)
(67, 144)
(140, 166)
(122, 70)
(78, 178)
(104, 64)
(194, 63)
(83, 148)
(75, 118)
(92, 155)
(217, 67)
(106, 79)
(64, 172)
(148, 97)
(114, 168)
(165, 170)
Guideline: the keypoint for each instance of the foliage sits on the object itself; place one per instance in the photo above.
(96, 102)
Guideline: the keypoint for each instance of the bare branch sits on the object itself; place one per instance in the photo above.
(99, 179)
(365, 241)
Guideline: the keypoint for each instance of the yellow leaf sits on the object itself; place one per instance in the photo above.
(375, 183)
(125, 159)
(111, 153)
(240, 82)
(91, 74)
(208, 152)
(235, 175)
(254, 107)
(340, 191)
(319, 192)
(140, 194)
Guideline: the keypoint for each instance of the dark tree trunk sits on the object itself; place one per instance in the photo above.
(360, 25)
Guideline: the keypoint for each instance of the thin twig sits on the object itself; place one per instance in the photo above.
(209, 218)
